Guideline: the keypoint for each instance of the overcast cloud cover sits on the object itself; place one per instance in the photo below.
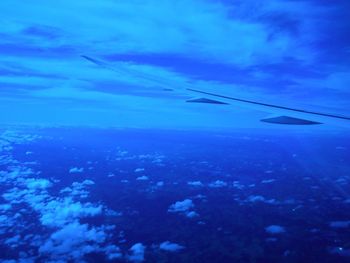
(294, 50)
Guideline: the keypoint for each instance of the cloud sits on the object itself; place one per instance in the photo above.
(79, 189)
(73, 241)
(63, 236)
(195, 183)
(38, 183)
(275, 229)
(276, 50)
(137, 253)
(268, 181)
(191, 214)
(171, 247)
(142, 178)
(59, 212)
(183, 207)
(76, 170)
(217, 184)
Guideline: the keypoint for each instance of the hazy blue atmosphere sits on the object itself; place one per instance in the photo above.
(103, 158)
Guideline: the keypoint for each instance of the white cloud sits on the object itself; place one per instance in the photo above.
(218, 184)
(139, 170)
(76, 170)
(275, 229)
(256, 198)
(154, 27)
(160, 183)
(137, 253)
(195, 183)
(171, 247)
(260, 198)
(268, 181)
(64, 238)
(59, 212)
(38, 183)
(142, 178)
(191, 214)
(73, 241)
(79, 189)
(181, 206)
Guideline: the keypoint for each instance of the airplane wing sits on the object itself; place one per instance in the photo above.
(281, 114)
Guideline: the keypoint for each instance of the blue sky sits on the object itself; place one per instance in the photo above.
(291, 50)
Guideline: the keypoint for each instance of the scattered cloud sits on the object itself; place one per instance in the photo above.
(275, 229)
(76, 170)
(217, 184)
(142, 178)
(183, 207)
(195, 183)
(171, 247)
(137, 253)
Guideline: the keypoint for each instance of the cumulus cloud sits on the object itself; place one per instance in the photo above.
(160, 184)
(218, 184)
(76, 170)
(63, 237)
(73, 241)
(260, 198)
(79, 189)
(38, 183)
(137, 253)
(195, 183)
(183, 207)
(268, 181)
(275, 229)
(171, 247)
(142, 178)
(59, 212)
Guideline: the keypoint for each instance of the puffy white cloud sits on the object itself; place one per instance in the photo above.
(142, 178)
(275, 229)
(64, 237)
(260, 198)
(59, 212)
(169, 246)
(38, 183)
(218, 184)
(73, 241)
(181, 206)
(79, 189)
(137, 253)
(139, 170)
(195, 183)
(76, 170)
(268, 181)
(191, 214)
(160, 183)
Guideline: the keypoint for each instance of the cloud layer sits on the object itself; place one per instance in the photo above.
(297, 50)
